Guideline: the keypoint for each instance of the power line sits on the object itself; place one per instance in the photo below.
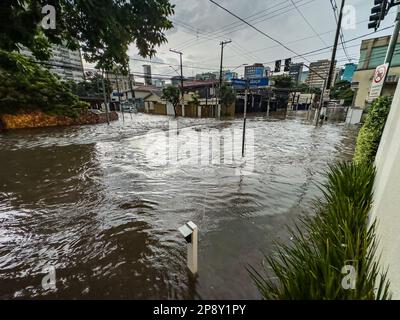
(309, 24)
(230, 30)
(258, 30)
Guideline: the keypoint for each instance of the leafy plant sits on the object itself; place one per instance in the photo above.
(104, 28)
(172, 94)
(283, 81)
(342, 91)
(327, 246)
(26, 86)
(370, 134)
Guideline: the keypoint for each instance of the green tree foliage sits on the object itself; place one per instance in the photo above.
(25, 86)
(283, 81)
(228, 96)
(304, 88)
(371, 133)
(342, 91)
(327, 247)
(173, 95)
(103, 28)
(92, 87)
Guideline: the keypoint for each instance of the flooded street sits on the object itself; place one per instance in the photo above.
(90, 202)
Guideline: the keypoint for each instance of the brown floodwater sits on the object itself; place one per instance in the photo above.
(93, 203)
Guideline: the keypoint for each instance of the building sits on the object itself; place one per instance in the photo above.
(255, 71)
(303, 76)
(65, 63)
(372, 54)
(176, 81)
(159, 83)
(208, 76)
(337, 75)
(295, 71)
(147, 74)
(348, 72)
(318, 71)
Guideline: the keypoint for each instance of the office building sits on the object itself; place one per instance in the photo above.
(318, 71)
(348, 72)
(255, 71)
(372, 54)
(65, 63)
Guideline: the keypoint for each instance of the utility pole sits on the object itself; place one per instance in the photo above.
(182, 92)
(328, 82)
(245, 118)
(105, 97)
(119, 96)
(222, 44)
(393, 43)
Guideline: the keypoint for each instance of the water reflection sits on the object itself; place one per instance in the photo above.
(89, 201)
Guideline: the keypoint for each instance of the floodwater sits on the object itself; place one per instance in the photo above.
(102, 205)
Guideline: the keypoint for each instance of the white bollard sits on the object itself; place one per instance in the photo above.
(190, 232)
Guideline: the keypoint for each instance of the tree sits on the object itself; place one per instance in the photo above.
(103, 28)
(228, 96)
(342, 91)
(25, 86)
(283, 81)
(172, 94)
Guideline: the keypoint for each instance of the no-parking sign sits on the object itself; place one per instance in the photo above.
(378, 81)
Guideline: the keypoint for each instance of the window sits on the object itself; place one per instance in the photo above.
(377, 57)
(361, 63)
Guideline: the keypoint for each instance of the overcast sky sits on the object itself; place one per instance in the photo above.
(200, 26)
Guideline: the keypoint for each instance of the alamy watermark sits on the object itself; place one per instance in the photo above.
(49, 20)
(197, 147)
(349, 281)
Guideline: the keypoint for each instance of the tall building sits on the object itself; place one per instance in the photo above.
(255, 71)
(206, 76)
(65, 63)
(303, 76)
(372, 54)
(318, 71)
(147, 75)
(348, 71)
(295, 71)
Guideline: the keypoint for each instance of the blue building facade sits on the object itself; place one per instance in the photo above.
(348, 72)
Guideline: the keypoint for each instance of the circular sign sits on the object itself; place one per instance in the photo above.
(380, 74)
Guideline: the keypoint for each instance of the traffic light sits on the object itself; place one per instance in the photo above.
(378, 13)
(288, 62)
(278, 65)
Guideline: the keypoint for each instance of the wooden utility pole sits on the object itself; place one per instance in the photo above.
(182, 91)
(222, 44)
(328, 82)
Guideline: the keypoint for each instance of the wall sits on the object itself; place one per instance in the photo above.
(364, 78)
(387, 196)
(40, 119)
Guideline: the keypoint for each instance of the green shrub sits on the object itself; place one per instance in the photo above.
(372, 130)
(26, 86)
(337, 236)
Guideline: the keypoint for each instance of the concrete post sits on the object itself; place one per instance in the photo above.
(190, 232)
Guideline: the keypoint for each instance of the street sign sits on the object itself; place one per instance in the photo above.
(255, 83)
(378, 82)
(239, 83)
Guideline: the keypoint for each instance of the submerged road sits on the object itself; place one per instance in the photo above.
(102, 204)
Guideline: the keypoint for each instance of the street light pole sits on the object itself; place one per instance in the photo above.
(182, 93)
(223, 43)
(328, 82)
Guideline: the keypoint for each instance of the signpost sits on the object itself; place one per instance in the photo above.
(378, 82)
